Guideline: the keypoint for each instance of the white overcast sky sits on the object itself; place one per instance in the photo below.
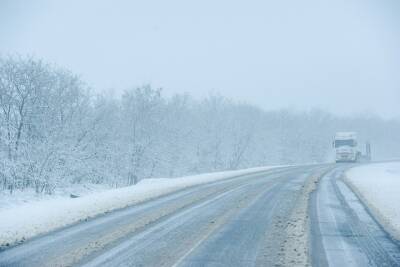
(338, 55)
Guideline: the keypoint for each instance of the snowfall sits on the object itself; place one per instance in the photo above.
(28, 217)
(378, 186)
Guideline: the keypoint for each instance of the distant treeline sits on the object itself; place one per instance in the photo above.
(55, 132)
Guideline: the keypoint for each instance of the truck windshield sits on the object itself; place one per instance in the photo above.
(339, 143)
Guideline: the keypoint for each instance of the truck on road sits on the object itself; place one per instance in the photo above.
(347, 149)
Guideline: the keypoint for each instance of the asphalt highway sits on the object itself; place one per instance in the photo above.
(271, 218)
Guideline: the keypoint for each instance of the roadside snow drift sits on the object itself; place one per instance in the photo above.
(18, 223)
(378, 185)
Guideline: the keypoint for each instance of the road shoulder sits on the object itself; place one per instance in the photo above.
(378, 187)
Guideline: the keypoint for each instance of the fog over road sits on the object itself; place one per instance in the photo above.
(263, 219)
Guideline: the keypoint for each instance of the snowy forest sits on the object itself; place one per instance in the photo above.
(55, 131)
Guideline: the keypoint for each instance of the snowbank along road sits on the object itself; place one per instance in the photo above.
(263, 219)
(344, 233)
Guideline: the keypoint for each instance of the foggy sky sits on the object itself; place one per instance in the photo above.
(339, 55)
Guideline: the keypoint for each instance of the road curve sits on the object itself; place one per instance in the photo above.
(251, 220)
(170, 230)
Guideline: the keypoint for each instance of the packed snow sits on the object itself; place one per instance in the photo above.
(378, 185)
(26, 220)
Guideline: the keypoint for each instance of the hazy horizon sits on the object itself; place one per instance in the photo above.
(341, 56)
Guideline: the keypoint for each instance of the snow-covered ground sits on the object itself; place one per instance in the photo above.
(31, 216)
(378, 185)
(19, 197)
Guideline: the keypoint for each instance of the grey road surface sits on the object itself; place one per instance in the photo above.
(236, 222)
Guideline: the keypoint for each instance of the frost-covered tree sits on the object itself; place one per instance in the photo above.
(43, 118)
(54, 132)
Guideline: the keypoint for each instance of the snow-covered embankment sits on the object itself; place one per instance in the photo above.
(21, 222)
(378, 185)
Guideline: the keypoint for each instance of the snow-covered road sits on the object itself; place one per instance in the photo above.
(230, 221)
(259, 219)
(26, 220)
(344, 233)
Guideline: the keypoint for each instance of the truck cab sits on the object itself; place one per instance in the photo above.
(346, 147)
